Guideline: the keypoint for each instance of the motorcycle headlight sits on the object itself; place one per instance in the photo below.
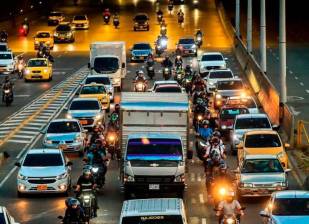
(180, 178)
(111, 137)
(21, 177)
(98, 116)
(86, 198)
(94, 169)
(163, 42)
(166, 69)
(62, 176)
(230, 221)
(56, 34)
(223, 127)
(6, 91)
(218, 96)
(27, 71)
(128, 178)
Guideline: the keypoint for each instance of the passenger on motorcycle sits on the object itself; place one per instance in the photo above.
(199, 84)
(74, 213)
(150, 60)
(97, 133)
(107, 13)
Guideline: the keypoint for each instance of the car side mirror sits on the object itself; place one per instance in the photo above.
(287, 145)
(18, 164)
(276, 127)
(123, 65)
(264, 214)
(69, 163)
(287, 170)
(190, 154)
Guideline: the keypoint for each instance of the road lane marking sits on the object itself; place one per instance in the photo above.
(192, 177)
(296, 77)
(21, 96)
(201, 196)
(199, 178)
(307, 90)
(17, 141)
(301, 83)
(204, 221)
(7, 176)
(193, 201)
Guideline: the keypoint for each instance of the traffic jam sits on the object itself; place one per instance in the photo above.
(184, 106)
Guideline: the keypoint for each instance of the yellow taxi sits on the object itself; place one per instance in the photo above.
(44, 37)
(261, 143)
(38, 69)
(98, 91)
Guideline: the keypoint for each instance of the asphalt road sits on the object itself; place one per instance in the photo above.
(45, 208)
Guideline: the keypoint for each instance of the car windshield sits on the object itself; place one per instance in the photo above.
(291, 207)
(229, 85)
(232, 112)
(43, 35)
(85, 105)
(63, 127)
(55, 14)
(79, 17)
(262, 166)
(262, 141)
(154, 219)
(5, 56)
(220, 75)
(141, 18)
(43, 159)
(186, 41)
(93, 90)
(168, 89)
(212, 57)
(248, 102)
(154, 149)
(37, 63)
(102, 65)
(3, 47)
(252, 123)
(63, 28)
(141, 47)
(98, 80)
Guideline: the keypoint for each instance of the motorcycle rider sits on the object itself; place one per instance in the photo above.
(167, 63)
(7, 84)
(4, 35)
(106, 13)
(205, 131)
(199, 84)
(140, 76)
(159, 13)
(188, 71)
(116, 19)
(86, 182)
(229, 207)
(178, 61)
(97, 133)
(180, 15)
(150, 59)
(198, 33)
(74, 212)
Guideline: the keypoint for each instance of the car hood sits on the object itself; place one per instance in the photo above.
(36, 68)
(51, 171)
(186, 46)
(42, 39)
(230, 93)
(79, 21)
(6, 61)
(290, 219)
(262, 177)
(62, 136)
(268, 150)
(84, 113)
(211, 63)
(141, 52)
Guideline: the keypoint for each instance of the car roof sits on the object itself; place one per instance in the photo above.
(142, 43)
(85, 99)
(93, 84)
(161, 82)
(291, 194)
(262, 132)
(97, 76)
(167, 86)
(38, 59)
(64, 120)
(1, 43)
(141, 14)
(64, 23)
(44, 151)
(230, 79)
(234, 106)
(154, 135)
(212, 53)
(80, 15)
(260, 156)
(260, 115)
(162, 206)
(221, 70)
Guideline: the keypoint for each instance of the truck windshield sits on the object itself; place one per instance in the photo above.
(158, 219)
(102, 65)
(154, 149)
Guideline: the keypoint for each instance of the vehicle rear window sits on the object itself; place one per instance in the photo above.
(63, 28)
(248, 102)
(229, 85)
(141, 17)
(63, 127)
(186, 41)
(220, 75)
(40, 159)
(212, 57)
(165, 89)
(37, 63)
(141, 47)
(262, 141)
(93, 90)
(154, 219)
(291, 207)
(262, 166)
(79, 17)
(85, 105)
(98, 80)
(5, 56)
(43, 35)
(108, 65)
(154, 149)
(232, 112)
(252, 123)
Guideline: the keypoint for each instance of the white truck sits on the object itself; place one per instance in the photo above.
(154, 142)
(108, 58)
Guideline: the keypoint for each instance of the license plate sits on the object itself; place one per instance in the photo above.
(83, 122)
(142, 58)
(140, 26)
(154, 186)
(41, 187)
(63, 146)
(36, 77)
(186, 51)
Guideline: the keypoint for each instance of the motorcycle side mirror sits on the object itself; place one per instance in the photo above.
(60, 217)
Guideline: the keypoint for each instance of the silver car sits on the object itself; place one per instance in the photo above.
(260, 175)
(88, 111)
(66, 134)
(102, 79)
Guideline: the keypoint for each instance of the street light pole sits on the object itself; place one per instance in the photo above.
(282, 51)
(237, 18)
(263, 36)
(249, 27)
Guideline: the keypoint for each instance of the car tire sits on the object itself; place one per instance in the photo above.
(50, 78)
(20, 195)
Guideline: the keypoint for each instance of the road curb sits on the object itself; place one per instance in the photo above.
(299, 174)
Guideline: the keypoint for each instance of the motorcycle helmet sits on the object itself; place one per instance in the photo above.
(205, 122)
(86, 172)
(140, 73)
(230, 196)
(223, 168)
(107, 10)
(217, 134)
(188, 67)
(74, 203)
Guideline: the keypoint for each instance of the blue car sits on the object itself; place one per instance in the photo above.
(287, 207)
(140, 51)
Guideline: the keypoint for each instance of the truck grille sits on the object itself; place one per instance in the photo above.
(154, 179)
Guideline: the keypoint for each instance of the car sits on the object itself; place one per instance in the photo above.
(260, 176)
(5, 217)
(263, 142)
(4, 47)
(43, 171)
(94, 90)
(44, 37)
(153, 210)
(80, 22)
(186, 46)
(227, 88)
(179, 2)
(38, 69)
(209, 61)
(140, 51)
(54, 18)
(7, 62)
(290, 206)
(214, 76)
(169, 89)
(248, 122)
(88, 111)
(227, 115)
(162, 83)
(101, 79)
(141, 22)
(247, 101)
(66, 134)
(64, 33)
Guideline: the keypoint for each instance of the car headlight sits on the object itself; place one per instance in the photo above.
(45, 70)
(246, 185)
(211, 83)
(69, 116)
(56, 34)
(69, 34)
(78, 139)
(21, 177)
(193, 46)
(280, 155)
(48, 42)
(98, 116)
(223, 127)
(62, 176)
(136, 24)
(116, 80)
(180, 178)
(48, 142)
(94, 169)
(27, 71)
(128, 178)
(37, 42)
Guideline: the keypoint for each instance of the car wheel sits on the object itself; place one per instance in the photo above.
(148, 28)
(50, 78)
(19, 194)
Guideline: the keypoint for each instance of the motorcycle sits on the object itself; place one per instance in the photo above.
(47, 55)
(187, 81)
(86, 199)
(68, 221)
(24, 30)
(195, 3)
(159, 18)
(163, 30)
(150, 69)
(106, 19)
(180, 19)
(170, 8)
(140, 86)
(20, 69)
(112, 143)
(167, 73)
(178, 74)
(116, 22)
(161, 46)
(229, 219)
(3, 39)
(8, 96)
(98, 172)
(199, 40)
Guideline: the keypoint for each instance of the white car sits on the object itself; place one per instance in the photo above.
(7, 62)
(247, 101)
(101, 79)
(209, 61)
(161, 83)
(80, 22)
(43, 171)
(5, 217)
(215, 75)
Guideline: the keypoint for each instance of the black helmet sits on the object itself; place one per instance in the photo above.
(117, 107)
(188, 67)
(98, 141)
(223, 166)
(74, 202)
(217, 134)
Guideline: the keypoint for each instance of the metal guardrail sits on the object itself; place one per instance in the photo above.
(302, 139)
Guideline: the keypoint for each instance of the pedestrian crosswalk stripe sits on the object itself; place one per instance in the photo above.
(18, 141)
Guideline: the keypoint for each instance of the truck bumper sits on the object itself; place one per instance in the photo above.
(176, 187)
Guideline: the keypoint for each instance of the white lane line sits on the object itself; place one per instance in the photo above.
(23, 136)
(301, 83)
(18, 141)
(204, 221)
(28, 132)
(296, 77)
(31, 128)
(291, 72)
(199, 178)
(21, 96)
(201, 196)
(307, 90)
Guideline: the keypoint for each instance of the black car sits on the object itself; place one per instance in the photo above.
(64, 33)
(179, 2)
(141, 22)
(54, 18)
